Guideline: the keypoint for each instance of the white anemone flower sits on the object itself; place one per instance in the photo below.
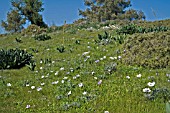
(151, 84)
(32, 87)
(69, 93)
(84, 93)
(146, 90)
(39, 89)
(9, 84)
(139, 75)
(80, 84)
(128, 77)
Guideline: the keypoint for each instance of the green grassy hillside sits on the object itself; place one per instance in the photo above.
(90, 75)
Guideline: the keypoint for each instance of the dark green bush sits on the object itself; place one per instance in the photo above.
(14, 58)
(148, 50)
(133, 28)
(42, 37)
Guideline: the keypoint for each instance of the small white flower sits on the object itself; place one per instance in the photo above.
(9, 84)
(42, 76)
(41, 62)
(65, 78)
(85, 53)
(28, 106)
(62, 68)
(146, 90)
(111, 58)
(87, 56)
(115, 58)
(128, 77)
(106, 111)
(151, 84)
(139, 75)
(88, 47)
(104, 57)
(92, 72)
(80, 84)
(41, 68)
(119, 57)
(69, 93)
(51, 71)
(39, 89)
(32, 87)
(42, 84)
(53, 62)
(74, 77)
(78, 76)
(55, 82)
(27, 85)
(48, 49)
(62, 81)
(84, 93)
(95, 78)
(56, 73)
(101, 58)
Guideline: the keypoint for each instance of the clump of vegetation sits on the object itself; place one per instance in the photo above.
(14, 58)
(42, 37)
(33, 30)
(133, 28)
(61, 49)
(148, 50)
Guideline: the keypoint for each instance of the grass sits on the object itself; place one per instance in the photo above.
(69, 82)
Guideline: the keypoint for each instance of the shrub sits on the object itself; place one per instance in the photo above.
(14, 58)
(148, 50)
(42, 37)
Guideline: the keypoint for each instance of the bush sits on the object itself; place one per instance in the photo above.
(42, 37)
(148, 50)
(14, 58)
(32, 30)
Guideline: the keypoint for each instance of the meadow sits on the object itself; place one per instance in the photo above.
(80, 71)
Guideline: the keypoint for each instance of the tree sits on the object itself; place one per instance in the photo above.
(30, 9)
(101, 10)
(14, 22)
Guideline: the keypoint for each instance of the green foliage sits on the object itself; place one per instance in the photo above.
(14, 22)
(32, 30)
(102, 10)
(148, 50)
(30, 10)
(168, 107)
(42, 37)
(61, 49)
(133, 28)
(14, 58)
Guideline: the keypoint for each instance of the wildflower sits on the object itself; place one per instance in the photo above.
(55, 82)
(95, 78)
(168, 75)
(39, 89)
(62, 68)
(104, 57)
(119, 57)
(48, 49)
(65, 78)
(84, 93)
(32, 87)
(101, 58)
(100, 81)
(51, 71)
(168, 80)
(28, 106)
(42, 76)
(27, 85)
(128, 77)
(77, 75)
(71, 69)
(85, 53)
(41, 62)
(106, 111)
(42, 84)
(41, 68)
(88, 47)
(53, 62)
(62, 81)
(56, 73)
(69, 93)
(151, 84)
(74, 77)
(146, 90)
(80, 84)
(96, 61)
(9, 84)
(92, 72)
(87, 56)
(139, 75)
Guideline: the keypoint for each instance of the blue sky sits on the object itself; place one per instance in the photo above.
(57, 11)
